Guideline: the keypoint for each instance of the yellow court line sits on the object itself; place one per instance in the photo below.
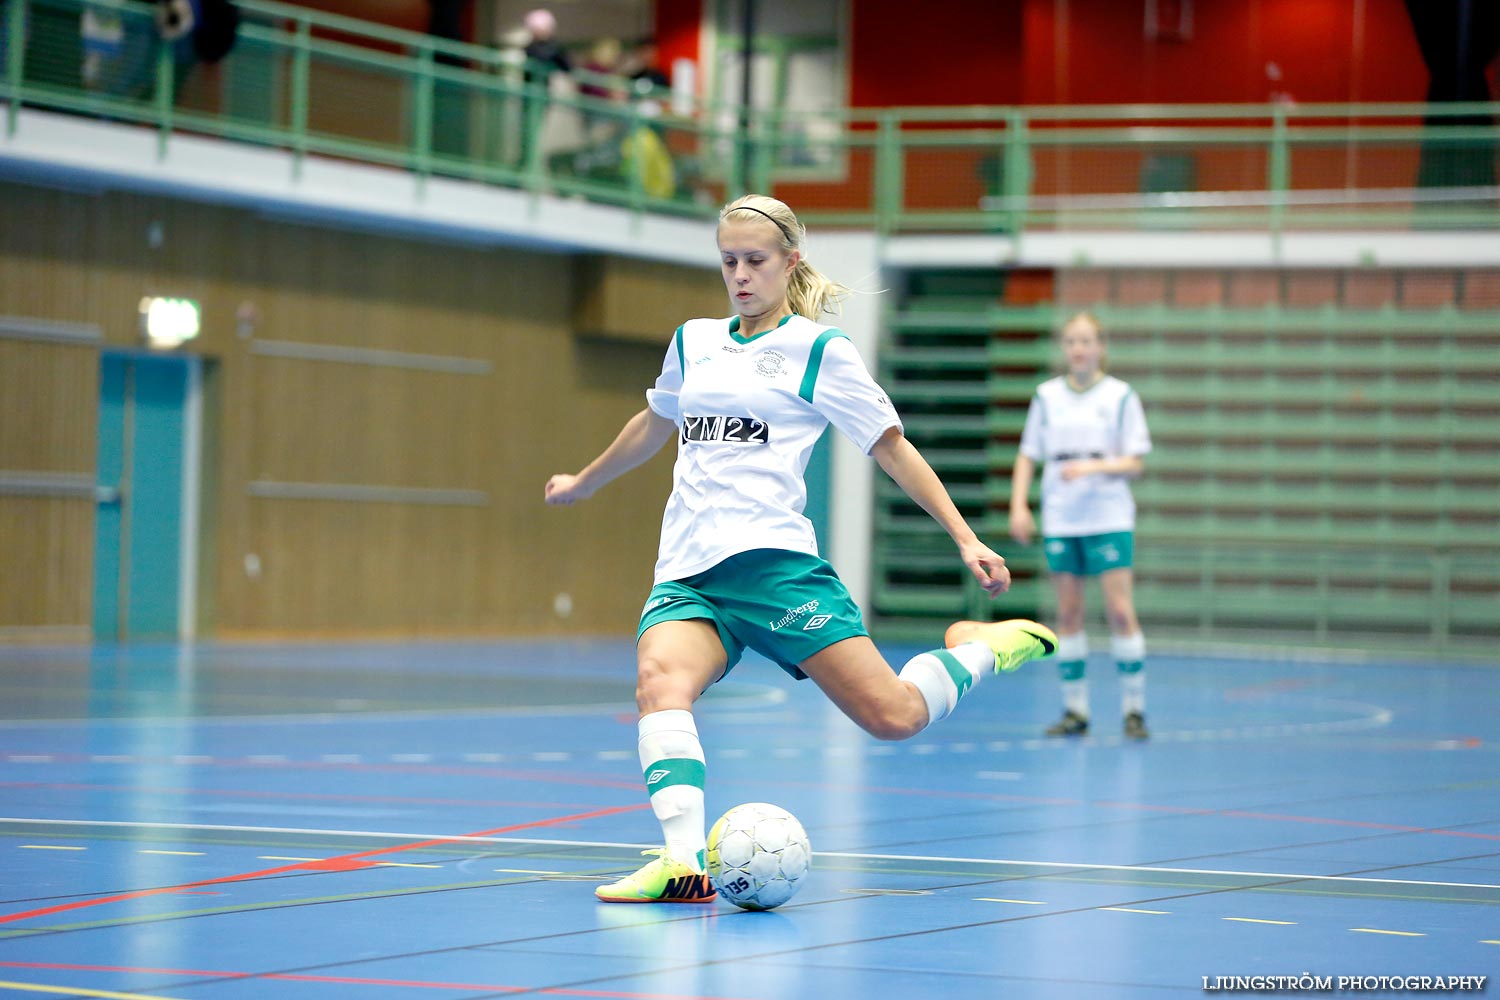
(1253, 920)
(1022, 902)
(1127, 909)
(185, 854)
(50, 847)
(403, 864)
(78, 991)
(1376, 930)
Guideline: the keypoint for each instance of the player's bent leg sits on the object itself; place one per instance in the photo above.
(857, 679)
(1069, 589)
(1128, 646)
(676, 661)
(1118, 588)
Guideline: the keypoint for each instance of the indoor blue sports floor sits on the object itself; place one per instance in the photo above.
(429, 820)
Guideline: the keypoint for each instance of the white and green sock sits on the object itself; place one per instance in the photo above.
(672, 763)
(943, 676)
(1130, 658)
(1072, 664)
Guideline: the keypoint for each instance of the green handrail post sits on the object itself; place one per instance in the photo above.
(1442, 593)
(1017, 185)
(422, 115)
(535, 113)
(166, 80)
(890, 175)
(635, 174)
(1279, 169)
(301, 92)
(15, 62)
(734, 177)
(764, 141)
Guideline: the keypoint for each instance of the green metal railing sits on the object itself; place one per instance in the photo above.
(320, 84)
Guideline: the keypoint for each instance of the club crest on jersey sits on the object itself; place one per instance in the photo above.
(770, 364)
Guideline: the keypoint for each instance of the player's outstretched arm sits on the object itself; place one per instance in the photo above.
(903, 463)
(642, 436)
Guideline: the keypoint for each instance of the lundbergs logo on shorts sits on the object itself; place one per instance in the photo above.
(794, 614)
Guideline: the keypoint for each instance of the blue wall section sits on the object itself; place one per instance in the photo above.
(156, 503)
(107, 528)
(142, 409)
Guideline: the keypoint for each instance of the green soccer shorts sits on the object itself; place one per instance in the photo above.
(785, 605)
(1090, 555)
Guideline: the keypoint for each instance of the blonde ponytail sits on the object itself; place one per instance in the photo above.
(812, 293)
(809, 291)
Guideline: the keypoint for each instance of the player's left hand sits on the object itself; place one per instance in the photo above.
(988, 568)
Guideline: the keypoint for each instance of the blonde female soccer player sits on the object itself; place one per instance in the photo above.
(747, 397)
(1089, 431)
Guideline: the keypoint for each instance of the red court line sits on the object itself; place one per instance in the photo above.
(357, 981)
(342, 862)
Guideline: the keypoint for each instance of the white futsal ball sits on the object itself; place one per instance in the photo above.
(757, 855)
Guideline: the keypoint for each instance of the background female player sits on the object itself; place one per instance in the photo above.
(747, 398)
(1090, 430)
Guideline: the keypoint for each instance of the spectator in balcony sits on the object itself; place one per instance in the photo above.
(647, 79)
(602, 131)
(545, 58)
(1088, 430)
(544, 55)
(603, 61)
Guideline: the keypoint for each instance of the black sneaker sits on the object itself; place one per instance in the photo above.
(1135, 727)
(1071, 724)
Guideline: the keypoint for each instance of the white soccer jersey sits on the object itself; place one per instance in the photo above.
(748, 412)
(1105, 421)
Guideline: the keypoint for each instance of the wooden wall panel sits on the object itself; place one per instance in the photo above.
(350, 423)
(642, 301)
(546, 400)
(49, 398)
(47, 551)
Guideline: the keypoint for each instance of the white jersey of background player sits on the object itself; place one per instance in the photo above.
(746, 398)
(1088, 430)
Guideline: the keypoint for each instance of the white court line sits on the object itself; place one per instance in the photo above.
(854, 855)
(757, 696)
